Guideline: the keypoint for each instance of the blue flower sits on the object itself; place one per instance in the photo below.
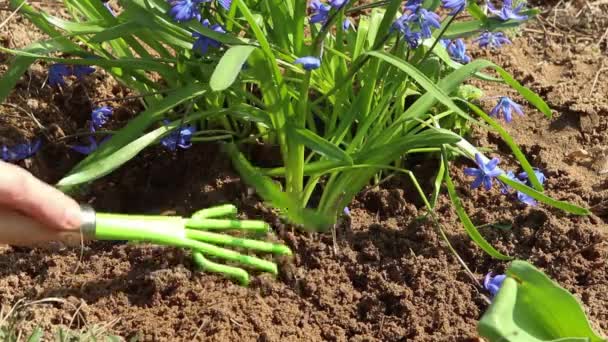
(485, 173)
(225, 4)
(88, 149)
(202, 43)
(180, 138)
(505, 189)
(507, 11)
(308, 62)
(337, 4)
(346, 24)
(520, 195)
(455, 5)
(82, 70)
(346, 211)
(320, 12)
(106, 4)
(20, 151)
(185, 10)
(57, 72)
(506, 106)
(458, 51)
(524, 198)
(428, 19)
(493, 283)
(403, 22)
(100, 116)
(412, 38)
(539, 175)
(93, 144)
(413, 5)
(492, 40)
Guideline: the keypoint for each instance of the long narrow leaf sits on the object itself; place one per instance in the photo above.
(466, 221)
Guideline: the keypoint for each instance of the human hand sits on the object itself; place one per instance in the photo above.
(32, 211)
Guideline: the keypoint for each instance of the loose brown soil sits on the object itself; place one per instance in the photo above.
(391, 277)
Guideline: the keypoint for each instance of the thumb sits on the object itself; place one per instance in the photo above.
(21, 191)
(19, 230)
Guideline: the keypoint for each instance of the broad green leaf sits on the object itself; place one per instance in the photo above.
(230, 66)
(318, 144)
(530, 307)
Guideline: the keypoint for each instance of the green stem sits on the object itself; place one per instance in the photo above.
(300, 15)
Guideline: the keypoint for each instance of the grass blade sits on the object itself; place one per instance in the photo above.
(539, 196)
(466, 221)
(319, 144)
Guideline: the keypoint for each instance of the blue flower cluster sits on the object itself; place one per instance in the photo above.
(99, 117)
(58, 73)
(486, 172)
(416, 17)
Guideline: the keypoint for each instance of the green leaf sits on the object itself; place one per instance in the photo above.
(421, 79)
(475, 11)
(530, 307)
(131, 132)
(466, 221)
(230, 66)
(319, 144)
(36, 335)
(103, 166)
(472, 27)
(269, 191)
